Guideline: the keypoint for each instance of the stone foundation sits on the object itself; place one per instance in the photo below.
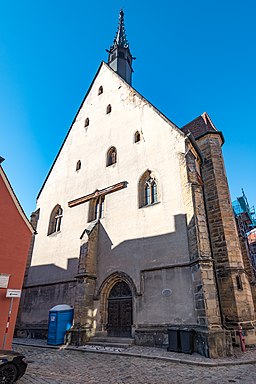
(209, 343)
(32, 332)
(213, 343)
(151, 337)
(78, 336)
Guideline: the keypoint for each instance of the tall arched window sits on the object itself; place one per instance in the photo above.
(109, 109)
(55, 220)
(99, 208)
(111, 156)
(153, 192)
(148, 189)
(96, 209)
(147, 193)
(100, 90)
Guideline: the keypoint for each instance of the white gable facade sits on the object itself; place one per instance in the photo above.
(131, 238)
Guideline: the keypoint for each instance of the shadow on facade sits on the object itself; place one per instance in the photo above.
(49, 285)
(143, 252)
(45, 286)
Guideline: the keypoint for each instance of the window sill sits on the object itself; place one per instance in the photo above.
(150, 205)
(53, 234)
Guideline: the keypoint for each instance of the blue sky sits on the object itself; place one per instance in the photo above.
(192, 56)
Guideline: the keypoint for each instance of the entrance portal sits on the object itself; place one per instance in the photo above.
(120, 310)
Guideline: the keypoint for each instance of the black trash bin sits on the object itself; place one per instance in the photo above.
(174, 340)
(187, 340)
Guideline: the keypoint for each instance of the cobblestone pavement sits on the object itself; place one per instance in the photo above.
(53, 366)
(195, 358)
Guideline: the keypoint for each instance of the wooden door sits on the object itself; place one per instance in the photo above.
(120, 311)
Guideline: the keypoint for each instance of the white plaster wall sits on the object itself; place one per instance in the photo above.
(130, 238)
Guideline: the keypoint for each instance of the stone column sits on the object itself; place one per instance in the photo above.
(84, 316)
(211, 340)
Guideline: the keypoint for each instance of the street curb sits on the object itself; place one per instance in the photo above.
(139, 355)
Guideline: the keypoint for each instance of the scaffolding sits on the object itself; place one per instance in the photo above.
(241, 207)
(246, 225)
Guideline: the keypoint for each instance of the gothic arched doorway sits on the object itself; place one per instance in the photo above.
(120, 310)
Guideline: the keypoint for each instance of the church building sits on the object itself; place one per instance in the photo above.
(135, 227)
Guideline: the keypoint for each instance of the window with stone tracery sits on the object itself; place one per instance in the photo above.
(55, 220)
(148, 190)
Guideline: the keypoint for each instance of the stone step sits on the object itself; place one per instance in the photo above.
(114, 342)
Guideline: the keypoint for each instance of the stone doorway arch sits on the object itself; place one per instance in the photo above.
(104, 292)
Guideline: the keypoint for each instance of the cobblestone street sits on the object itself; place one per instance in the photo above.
(50, 366)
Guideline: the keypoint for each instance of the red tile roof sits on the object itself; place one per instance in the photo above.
(199, 126)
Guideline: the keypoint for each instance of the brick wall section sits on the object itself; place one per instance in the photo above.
(236, 304)
(204, 284)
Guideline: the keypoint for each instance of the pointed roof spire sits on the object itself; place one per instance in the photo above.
(119, 55)
(120, 38)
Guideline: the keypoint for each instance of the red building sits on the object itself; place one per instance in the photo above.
(15, 236)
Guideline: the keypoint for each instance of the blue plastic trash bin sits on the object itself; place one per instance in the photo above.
(60, 321)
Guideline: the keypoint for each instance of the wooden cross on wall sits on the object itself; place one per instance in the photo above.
(97, 193)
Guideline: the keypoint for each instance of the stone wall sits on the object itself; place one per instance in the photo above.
(84, 312)
(36, 303)
(235, 299)
(204, 282)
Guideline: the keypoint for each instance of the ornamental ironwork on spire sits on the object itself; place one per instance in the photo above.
(120, 38)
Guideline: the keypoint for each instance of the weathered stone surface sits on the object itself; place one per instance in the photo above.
(236, 304)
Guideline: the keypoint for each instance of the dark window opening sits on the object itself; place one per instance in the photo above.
(87, 122)
(109, 109)
(78, 165)
(239, 282)
(111, 156)
(100, 91)
(137, 137)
